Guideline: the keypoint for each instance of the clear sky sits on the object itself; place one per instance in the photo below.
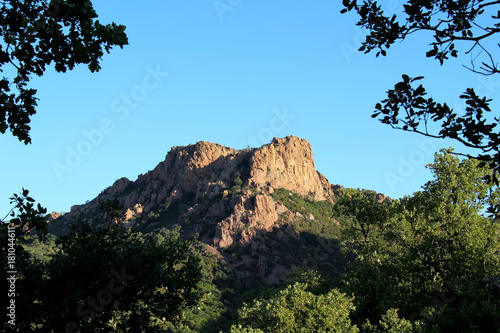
(235, 72)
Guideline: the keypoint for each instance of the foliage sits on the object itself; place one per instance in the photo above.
(111, 279)
(41, 251)
(236, 182)
(211, 313)
(451, 22)
(25, 216)
(322, 211)
(365, 218)
(37, 33)
(391, 323)
(443, 252)
(297, 309)
(14, 234)
(241, 329)
(433, 259)
(112, 210)
(316, 283)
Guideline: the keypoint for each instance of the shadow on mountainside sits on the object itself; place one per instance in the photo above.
(267, 260)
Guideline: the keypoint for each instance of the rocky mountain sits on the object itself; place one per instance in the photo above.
(231, 198)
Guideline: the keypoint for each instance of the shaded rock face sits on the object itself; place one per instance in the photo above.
(242, 180)
(260, 212)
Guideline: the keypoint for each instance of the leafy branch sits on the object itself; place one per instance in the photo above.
(25, 216)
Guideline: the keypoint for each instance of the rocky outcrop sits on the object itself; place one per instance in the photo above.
(193, 167)
(249, 215)
(288, 163)
(238, 183)
(53, 216)
(227, 197)
(133, 211)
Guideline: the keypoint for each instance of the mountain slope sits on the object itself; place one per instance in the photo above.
(237, 201)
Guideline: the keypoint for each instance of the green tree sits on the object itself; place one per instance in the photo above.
(110, 279)
(365, 218)
(392, 323)
(41, 251)
(453, 24)
(453, 245)
(298, 307)
(437, 257)
(37, 33)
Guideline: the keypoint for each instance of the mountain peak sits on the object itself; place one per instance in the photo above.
(288, 163)
(221, 187)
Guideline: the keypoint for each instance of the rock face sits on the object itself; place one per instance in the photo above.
(236, 185)
(53, 216)
(288, 163)
(248, 215)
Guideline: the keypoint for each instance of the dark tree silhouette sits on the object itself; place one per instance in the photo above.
(37, 33)
(473, 24)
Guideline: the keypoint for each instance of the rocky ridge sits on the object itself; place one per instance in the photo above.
(263, 210)
(236, 183)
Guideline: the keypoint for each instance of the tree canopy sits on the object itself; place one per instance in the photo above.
(432, 257)
(112, 279)
(303, 305)
(39, 33)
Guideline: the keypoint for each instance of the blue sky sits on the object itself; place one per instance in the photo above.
(235, 72)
